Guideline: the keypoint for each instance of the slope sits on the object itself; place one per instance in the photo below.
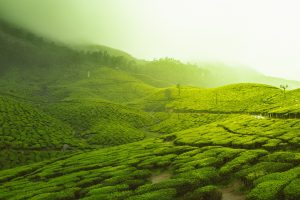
(29, 135)
(167, 72)
(102, 124)
(198, 161)
(236, 98)
(75, 89)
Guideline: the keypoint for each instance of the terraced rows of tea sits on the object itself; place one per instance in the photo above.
(28, 135)
(244, 131)
(102, 123)
(236, 98)
(261, 153)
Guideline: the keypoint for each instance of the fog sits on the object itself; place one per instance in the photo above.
(260, 34)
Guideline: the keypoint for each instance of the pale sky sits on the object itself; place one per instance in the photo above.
(263, 34)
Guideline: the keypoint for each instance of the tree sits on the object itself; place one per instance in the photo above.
(284, 87)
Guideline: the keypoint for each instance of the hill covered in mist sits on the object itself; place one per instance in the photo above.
(20, 48)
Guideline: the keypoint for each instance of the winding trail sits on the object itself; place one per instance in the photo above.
(160, 177)
(231, 192)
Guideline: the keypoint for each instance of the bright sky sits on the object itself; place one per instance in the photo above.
(263, 34)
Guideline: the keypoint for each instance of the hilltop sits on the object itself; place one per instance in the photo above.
(236, 98)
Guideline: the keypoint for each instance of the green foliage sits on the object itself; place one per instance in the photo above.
(256, 99)
(29, 135)
(261, 169)
(164, 194)
(65, 194)
(209, 192)
(103, 123)
(292, 190)
(269, 190)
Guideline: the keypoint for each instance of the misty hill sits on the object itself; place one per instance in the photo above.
(223, 74)
(31, 133)
(44, 55)
(96, 48)
(34, 67)
(166, 72)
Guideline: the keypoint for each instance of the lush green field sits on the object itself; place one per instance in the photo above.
(91, 122)
(236, 98)
(199, 161)
(102, 123)
(28, 134)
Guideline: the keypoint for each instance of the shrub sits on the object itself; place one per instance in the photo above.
(269, 190)
(181, 185)
(209, 192)
(164, 194)
(201, 177)
(65, 194)
(292, 191)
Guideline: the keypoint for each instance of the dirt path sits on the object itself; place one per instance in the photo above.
(160, 177)
(231, 192)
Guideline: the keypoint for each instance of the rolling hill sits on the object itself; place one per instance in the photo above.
(92, 122)
(196, 160)
(38, 54)
(235, 98)
(28, 135)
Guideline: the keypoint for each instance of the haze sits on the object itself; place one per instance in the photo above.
(260, 34)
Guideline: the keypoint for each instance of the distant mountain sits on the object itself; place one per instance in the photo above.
(52, 69)
(96, 48)
(219, 74)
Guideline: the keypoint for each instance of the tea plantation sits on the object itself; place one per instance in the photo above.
(94, 123)
(28, 135)
(236, 98)
(262, 153)
(102, 123)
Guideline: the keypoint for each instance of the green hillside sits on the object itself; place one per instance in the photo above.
(47, 71)
(28, 135)
(102, 123)
(92, 122)
(166, 72)
(236, 98)
(198, 161)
